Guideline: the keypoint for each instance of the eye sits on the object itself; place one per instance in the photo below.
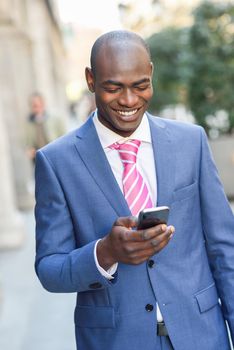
(142, 87)
(112, 91)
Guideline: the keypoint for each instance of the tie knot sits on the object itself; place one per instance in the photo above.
(127, 151)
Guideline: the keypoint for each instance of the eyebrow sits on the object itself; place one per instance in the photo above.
(111, 82)
(116, 83)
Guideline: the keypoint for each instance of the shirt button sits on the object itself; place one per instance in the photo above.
(150, 263)
(149, 307)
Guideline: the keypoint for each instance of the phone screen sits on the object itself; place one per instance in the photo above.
(152, 217)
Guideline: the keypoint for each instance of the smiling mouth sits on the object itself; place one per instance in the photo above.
(127, 113)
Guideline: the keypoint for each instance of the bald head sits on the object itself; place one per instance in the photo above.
(119, 38)
(121, 79)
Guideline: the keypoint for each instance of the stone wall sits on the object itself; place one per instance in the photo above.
(11, 223)
(31, 60)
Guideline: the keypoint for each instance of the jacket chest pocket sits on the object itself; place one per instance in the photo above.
(185, 192)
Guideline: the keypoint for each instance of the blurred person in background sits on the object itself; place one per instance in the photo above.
(149, 289)
(41, 127)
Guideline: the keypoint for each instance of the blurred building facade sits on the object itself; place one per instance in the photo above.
(31, 59)
(78, 44)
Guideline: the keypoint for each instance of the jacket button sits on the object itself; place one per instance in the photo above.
(149, 307)
(150, 263)
(95, 285)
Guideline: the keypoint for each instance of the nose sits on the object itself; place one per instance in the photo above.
(128, 99)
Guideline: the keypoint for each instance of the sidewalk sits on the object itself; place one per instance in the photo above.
(30, 317)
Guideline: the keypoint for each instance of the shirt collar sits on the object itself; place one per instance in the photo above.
(108, 137)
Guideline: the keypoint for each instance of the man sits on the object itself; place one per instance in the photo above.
(41, 128)
(136, 289)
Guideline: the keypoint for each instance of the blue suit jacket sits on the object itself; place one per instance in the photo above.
(77, 202)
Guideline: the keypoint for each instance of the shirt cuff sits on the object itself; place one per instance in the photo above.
(110, 272)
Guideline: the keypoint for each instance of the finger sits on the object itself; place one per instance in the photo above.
(153, 231)
(165, 235)
(153, 246)
(139, 252)
(159, 240)
(135, 244)
(143, 235)
(128, 221)
(156, 242)
(137, 257)
(171, 230)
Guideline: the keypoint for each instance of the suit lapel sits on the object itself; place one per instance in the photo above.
(94, 158)
(164, 160)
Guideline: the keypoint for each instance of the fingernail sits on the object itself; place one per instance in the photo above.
(164, 227)
(172, 228)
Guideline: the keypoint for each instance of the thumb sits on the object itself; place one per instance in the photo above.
(127, 221)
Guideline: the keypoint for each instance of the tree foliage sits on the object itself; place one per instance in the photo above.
(170, 67)
(195, 66)
(212, 66)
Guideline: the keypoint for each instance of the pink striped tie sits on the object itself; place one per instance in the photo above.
(135, 189)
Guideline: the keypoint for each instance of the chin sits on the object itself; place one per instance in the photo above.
(126, 130)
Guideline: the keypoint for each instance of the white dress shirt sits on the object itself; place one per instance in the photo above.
(145, 164)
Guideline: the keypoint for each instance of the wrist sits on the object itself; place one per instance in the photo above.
(104, 255)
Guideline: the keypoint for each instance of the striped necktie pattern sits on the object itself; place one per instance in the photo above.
(134, 187)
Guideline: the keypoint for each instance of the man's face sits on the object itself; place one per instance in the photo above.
(122, 86)
(37, 105)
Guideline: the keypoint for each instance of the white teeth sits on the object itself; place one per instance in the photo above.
(127, 113)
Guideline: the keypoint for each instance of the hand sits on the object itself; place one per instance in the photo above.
(123, 244)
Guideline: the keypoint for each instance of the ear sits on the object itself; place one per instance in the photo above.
(89, 79)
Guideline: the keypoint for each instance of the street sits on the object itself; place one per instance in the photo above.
(30, 317)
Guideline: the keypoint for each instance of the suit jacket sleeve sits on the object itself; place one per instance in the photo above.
(218, 225)
(60, 265)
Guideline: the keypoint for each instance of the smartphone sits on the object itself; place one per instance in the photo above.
(153, 216)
